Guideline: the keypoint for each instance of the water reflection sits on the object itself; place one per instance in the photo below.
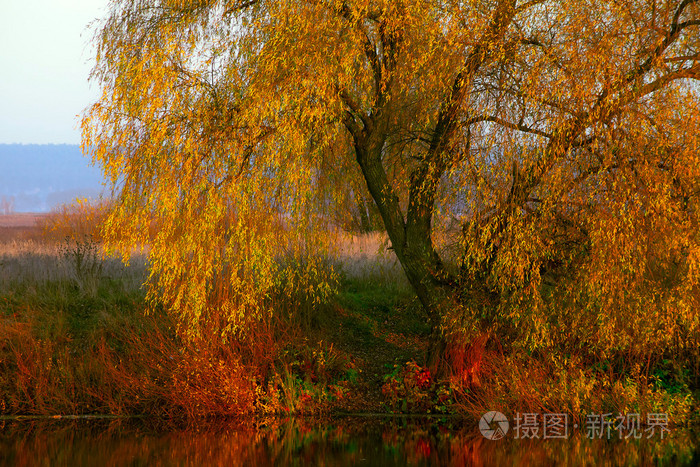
(339, 441)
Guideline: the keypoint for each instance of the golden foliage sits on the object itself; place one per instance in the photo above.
(561, 137)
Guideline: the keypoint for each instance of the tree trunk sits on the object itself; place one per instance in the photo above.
(414, 249)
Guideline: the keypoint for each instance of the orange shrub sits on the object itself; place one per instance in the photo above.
(77, 221)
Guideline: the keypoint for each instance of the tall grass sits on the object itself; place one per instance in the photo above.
(368, 257)
(77, 336)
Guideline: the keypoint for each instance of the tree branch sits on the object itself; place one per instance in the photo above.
(507, 124)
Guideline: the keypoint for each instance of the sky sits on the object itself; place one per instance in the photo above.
(45, 61)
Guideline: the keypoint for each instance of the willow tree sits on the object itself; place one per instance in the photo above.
(516, 150)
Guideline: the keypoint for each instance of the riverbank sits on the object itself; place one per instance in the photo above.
(78, 337)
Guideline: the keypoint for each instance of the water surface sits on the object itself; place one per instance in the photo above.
(367, 440)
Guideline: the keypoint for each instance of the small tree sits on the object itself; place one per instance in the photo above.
(7, 206)
(561, 137)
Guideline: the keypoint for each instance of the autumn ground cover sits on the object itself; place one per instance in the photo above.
(78, 336)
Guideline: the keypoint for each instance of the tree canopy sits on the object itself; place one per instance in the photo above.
(522, 154)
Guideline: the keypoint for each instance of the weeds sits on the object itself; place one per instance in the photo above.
(555, 384)
(84, 262)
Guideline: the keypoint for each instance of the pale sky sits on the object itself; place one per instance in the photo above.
(45, 60)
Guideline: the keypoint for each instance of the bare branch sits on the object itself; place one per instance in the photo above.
(507, 124)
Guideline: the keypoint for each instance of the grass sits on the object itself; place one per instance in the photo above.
(77, 337)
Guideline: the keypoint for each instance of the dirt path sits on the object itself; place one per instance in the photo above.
(377, 335)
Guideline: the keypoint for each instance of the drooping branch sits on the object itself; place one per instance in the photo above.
(368, 47)
(481, 53)
(647, 65)
(608, 104)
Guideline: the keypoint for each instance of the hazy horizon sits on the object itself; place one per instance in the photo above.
(39, 177)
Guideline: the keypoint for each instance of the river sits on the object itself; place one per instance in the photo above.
(357, 440)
